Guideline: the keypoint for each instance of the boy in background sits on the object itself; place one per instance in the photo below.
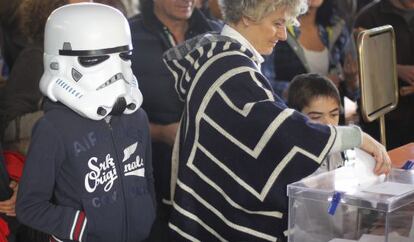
(318, 98)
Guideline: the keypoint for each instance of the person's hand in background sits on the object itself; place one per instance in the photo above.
(8, 206)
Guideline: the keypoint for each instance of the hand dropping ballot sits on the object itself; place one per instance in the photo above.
(364, 168)
(357, 173)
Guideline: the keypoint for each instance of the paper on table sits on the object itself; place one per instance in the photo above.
(390, 188)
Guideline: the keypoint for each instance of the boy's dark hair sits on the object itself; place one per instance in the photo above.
(305, 87)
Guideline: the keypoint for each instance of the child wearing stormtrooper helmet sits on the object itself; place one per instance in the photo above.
(88, 174)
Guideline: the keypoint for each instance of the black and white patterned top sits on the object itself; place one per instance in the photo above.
(237, 148)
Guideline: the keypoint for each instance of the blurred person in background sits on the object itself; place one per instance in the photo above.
(11, 168)
(22, 24)
(11, 39)
(321, 44)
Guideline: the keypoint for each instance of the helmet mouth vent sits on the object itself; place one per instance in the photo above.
(119, 106)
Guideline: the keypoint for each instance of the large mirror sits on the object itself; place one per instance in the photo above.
(377, 71)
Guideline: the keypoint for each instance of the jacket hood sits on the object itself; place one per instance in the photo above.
(187, 59)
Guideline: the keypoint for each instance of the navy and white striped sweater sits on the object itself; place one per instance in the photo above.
(239, 146)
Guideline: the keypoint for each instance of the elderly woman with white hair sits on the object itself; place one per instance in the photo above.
(238, 145)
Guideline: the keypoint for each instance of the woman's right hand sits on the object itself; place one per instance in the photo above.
(378, 151)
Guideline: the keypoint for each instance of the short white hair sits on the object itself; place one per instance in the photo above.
(234, 10)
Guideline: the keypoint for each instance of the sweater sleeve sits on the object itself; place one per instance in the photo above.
(35, 206)
(347, 137)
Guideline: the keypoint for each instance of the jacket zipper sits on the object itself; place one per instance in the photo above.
(120, 173)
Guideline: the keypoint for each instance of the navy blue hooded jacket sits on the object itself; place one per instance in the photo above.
(87, 180)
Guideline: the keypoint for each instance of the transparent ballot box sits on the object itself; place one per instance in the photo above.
(345, 205)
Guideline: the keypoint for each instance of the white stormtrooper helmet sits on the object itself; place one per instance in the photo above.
(87, 63)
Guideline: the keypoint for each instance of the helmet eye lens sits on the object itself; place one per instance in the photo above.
(88, 61)
(126, 56)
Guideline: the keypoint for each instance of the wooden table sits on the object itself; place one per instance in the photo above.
(399, 156)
